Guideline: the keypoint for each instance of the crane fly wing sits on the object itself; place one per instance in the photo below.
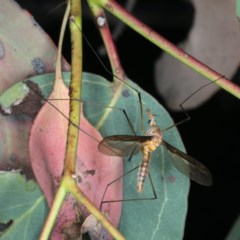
(122, 145)
(189, 166)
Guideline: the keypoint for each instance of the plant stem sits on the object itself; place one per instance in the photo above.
(75, 87)
(52, 216)
(102, 24)
(167, 46)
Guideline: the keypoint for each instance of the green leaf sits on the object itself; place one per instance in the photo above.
(19, 92)
(163, 218)
(23, 202)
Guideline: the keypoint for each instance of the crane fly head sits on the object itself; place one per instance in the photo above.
(151, 120)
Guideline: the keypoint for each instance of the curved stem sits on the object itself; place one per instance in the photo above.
(52, 216)
(61, 192)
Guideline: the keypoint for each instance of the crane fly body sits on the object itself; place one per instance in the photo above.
(147, 148)
(127, 145)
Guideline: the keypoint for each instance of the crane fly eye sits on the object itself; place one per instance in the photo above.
(149, 121)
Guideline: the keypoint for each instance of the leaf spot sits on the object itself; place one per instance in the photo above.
(13, 157)
(89, 172)
(171, 179)
(125, 93)
(38, 65)
(101, 20)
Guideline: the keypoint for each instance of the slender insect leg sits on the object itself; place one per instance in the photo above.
(132, 199)
(188, 118)
(129, 159)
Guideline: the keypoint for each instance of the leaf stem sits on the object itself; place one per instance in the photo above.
(52, 216)
(102, 24)
(119, 12)
(61, 192)
(118, 72)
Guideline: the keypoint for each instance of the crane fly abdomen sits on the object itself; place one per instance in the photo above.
(143, 171)
(147, 148)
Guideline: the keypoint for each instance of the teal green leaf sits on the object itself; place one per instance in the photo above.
(23, 202)
(163, 218)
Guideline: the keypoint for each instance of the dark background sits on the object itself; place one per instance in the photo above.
(212, 134)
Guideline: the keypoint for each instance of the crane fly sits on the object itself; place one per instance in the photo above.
(127, 145)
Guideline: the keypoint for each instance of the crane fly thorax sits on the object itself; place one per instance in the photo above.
(156, 140)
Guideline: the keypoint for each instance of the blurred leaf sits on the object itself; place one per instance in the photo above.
(234, 233)
(25, 49)
(22, 202)
(214, 40)
(163, 218)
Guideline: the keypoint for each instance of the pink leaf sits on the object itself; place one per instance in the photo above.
(93, 170)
